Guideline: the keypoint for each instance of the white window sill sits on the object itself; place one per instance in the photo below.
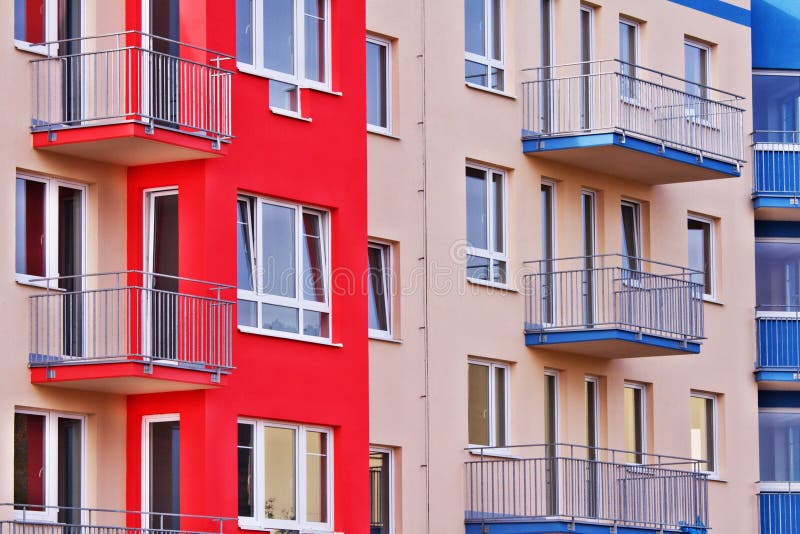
(712, 300)
(24, 46)
(381, 337)
(25, 281)
(290, 114)
(489, 90)
(492, 453)
(383, 132)
(495, 285)
(288, 335)
(250, 525)
(325, 90)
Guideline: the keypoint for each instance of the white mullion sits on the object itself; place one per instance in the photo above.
(258, 464)
(299, 268)
(300, 448)
(259, 289)
(51, 230)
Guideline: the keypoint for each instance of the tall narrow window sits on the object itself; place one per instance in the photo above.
(696, 59)
(378, 84)
(547, 104)
(589, 248)
(486, 228)
(634, 423)
(631, 234)
(380, 293)
(704, 431)
(548, 229)
(701, 253)
(246, 469)
(487, 401)
(628, 56)
(551, 413)
(587, 55)
(591, 395)
(381, 491)
(483, 43)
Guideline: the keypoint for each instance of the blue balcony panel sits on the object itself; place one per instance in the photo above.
(557, 527)
(776, 175)
(629, 157)
(779, 512)
(610, 343)
(778, 350)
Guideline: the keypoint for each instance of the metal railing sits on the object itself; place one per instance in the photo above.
(132, 77)
(776, 163)
(779, 512)
(131, 316)
(566, 482)
(778, 337)
(38, 519)
(611, 95)
(614, 291)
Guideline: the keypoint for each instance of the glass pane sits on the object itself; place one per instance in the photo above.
(497, 29)
(779, 446)
(280, 318)
(69, 470)
(634, 438)
(627, 42)
(278, 250)
(245, 469)
(586, 35)
(316, 324)
(477, 221)
(244, 31)
(591, 417)
(547, 221)
(30, 227)
(283, 96)
(478, 402)
(547, 33)
(280, 490)
(279, 35)
(29, 463)
(696, 63)
(247, 313)
(500, 407)
(377, 102)
(476, 73)
(380, 493)
(702, 432)
(778, 275)
(499, 275)
(244, 243)
(378, 297)
(29, 20)
(475, 27)
(630, 234)
(315, 39)
(313, 258)
(700, 253)
(550, 409)
(498, 205)
(478, 268)
(316, 477)
(164, 472)
(498, 79)
(776, 108)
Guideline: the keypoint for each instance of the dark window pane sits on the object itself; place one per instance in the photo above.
(478, 404)
(378, 297)
(278, 250)
(377, 81)
(279, 318)
(477, 222)
(29, 463)
(475, 73)
(283, 96)
(69, 470)
(244, 245)
(380, 521)
(30, 227)
(245, 469)
(247, 313)
(776, 108)
(313, 258)
(778, 275)
(244, 31)
(478, 268)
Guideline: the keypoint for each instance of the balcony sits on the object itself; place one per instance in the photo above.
(130, 332)
(131, 99)
(776, 174)
(778, 347)
(572, 488)
(613, 306)
(779, 512)
(633, 122)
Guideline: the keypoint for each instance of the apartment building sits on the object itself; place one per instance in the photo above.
(186, 186)
(560, 203)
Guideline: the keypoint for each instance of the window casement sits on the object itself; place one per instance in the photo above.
(704, 431)
(379, 85)
(488, 404)
(592, 408)
(285, 476)
(697, 58)
(483, 43)
(381, 486)
(283, 269)
(551, 407)
(778, 275)
(779, 455)
(486, 225)
(49, 466)
(701, 253)
(629, 57)
(631, 223)
(635, 425)
(49, 231)
(380, 290)
(287, 41)
(39, 21)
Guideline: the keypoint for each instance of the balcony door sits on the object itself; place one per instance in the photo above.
(160, 297)
(161, 23)
(161, 472)
(70, 16)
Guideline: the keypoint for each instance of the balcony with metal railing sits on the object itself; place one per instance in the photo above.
(573, 488)
(131, 98)
(130, 332)
(778, 346)
(631, 121)
(779, 511)
(613, 306)
(776, 172)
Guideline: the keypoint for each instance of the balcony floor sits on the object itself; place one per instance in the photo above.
(609, 343)
(545, 526)
(629, 157)
(778, 379)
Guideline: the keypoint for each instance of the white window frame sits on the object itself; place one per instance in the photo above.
(643, 396)
(714, 433)
(299, 78)
(386, 270)
(389, 81)
(487, 44)
(712, 275)
(490, 254)
(145, 467)
(50, 513)
(390, 453)
(51, 230)
(260, 521)
(493, 405)
(50, 30)
(298, 302)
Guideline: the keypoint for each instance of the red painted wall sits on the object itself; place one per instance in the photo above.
(321, 163)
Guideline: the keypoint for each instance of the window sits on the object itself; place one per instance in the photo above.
(49, 228)
(778, 274)
(778, 436)
(587, 55)
(380, 290)
(283, 269)
(381, 520)
(548, 228)
(551, 407)
(548, 53)
(776, 107)
(634, 423)
(704, 431)
(631, 234)
(285, 476)
(486, 225)
(488, 400)
(628, 56)
(48, 465)
(287, 41)
(378, 85)
(592, 415)
(701, 252)
(696, 57)
(589, 215)
(39, 21)
(483, 46)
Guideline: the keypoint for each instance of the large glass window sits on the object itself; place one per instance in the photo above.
(487, 403)
(381, 491)
(778, 275)
(380, 294)
(486, 229)
(701, 252)
(629, 56)
(283, 289)
(378, 84)
(779, 445)
(704, 431)
(634, 423)
(696, 60)
(286, 470)
(483, 43)
(776, 108)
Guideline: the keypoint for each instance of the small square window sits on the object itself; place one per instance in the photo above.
(701, 253)
(487, 404)
(380, 290)
(704, 431)
(486, 225)
(378, 84)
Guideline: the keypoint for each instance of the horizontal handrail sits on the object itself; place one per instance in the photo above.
(213, 285)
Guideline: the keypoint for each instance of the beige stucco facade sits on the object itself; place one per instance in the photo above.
(417, 201)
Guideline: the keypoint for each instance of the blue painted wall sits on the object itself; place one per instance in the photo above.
(775, 34)
(718, 8)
